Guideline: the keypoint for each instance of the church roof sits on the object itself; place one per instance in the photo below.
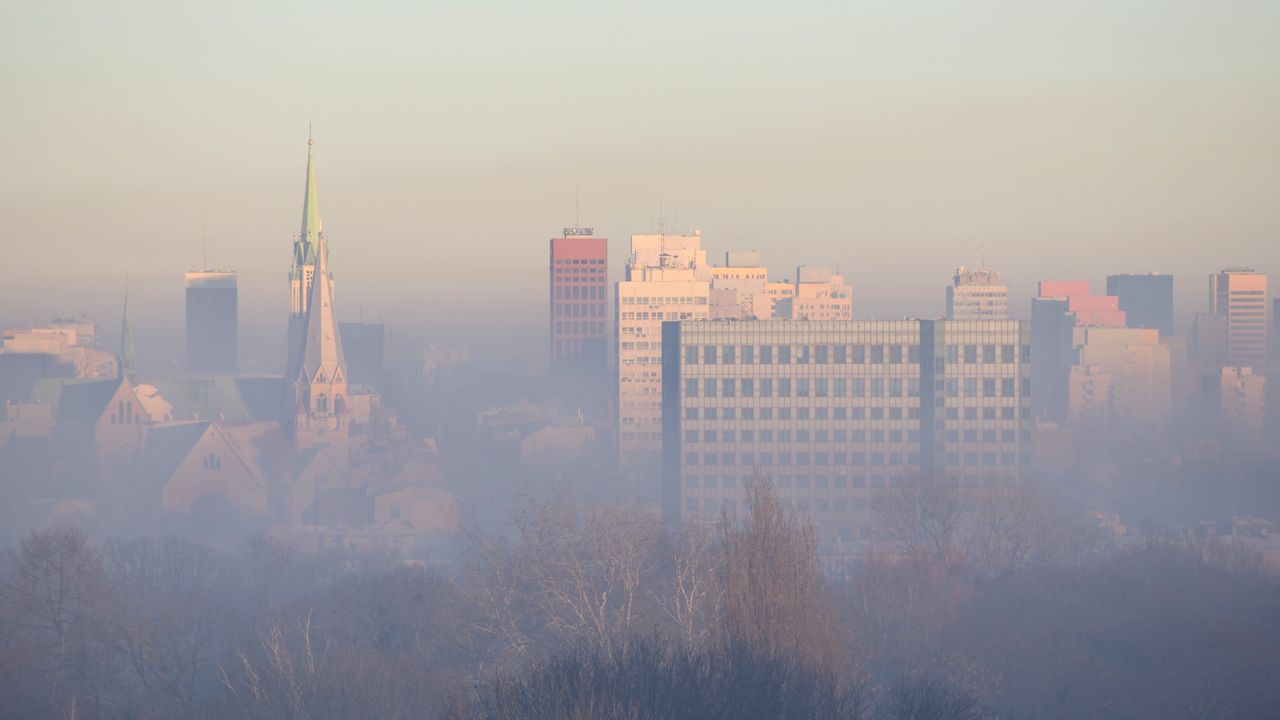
(231, 399)
(85, 402)
(167, 446)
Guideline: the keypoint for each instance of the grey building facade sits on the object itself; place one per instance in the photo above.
(837, 413)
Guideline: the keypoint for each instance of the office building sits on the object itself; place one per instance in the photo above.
(1146, 299)
(666, 278)
(211, 321)
(1240, 296)
(838, 412)
(578, 301)
(977, 294)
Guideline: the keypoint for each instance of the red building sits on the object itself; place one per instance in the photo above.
(579, 302)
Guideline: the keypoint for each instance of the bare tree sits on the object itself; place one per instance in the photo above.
(161, 615)
(1010, 525)
(922, 519)
(53, 590)
(773, 592)
(695, 596)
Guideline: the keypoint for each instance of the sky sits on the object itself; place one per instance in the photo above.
(893, 140)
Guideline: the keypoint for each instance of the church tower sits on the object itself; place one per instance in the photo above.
(321, 415)
(305, 249)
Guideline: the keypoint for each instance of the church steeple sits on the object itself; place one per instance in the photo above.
(309, 235)
(128, 359)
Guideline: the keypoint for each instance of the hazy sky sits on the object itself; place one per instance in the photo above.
(887, 138)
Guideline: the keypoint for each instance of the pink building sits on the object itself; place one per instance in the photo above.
(578, 301)
(1090, 310)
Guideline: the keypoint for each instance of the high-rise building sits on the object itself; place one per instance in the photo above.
(579, 291)
(837, 412)
(305, 247)
(977, 294)
(211, 321)
(1146, 299)
(1240, 296)
(666, 279)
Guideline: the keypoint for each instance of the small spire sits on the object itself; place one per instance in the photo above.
(128, 359)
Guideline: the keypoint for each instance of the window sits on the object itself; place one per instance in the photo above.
(877, 354)
(691, 390)
(895, 354)
(709, 387)
(727, 353)
(784, 354)
(709, 355)
(747, 353)
(971, 353)
(766, 354)
(691, 355)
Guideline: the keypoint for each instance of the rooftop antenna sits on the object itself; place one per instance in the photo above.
(577, 208)
(204, 241)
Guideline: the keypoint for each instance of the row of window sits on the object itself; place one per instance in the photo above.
(853, 387)
(804, 414)
(579, 261)
(840, 459)
(580, 292)
(841, 435)
(579, 327)
(662, 300)
(577, 310)
(845, 354)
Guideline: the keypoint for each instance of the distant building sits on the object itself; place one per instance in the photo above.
(1052, 327)
(1242, 394)
(1138, 379)
(211, 321)
(1240, 296)
(62, 349)
(739, 288)
(364, 346)
(1089, 309)
(838, 412)
(819, 294)
(579, 299)
(1146, 299)
(977, 294)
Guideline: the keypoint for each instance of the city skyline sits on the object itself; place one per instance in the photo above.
(1074, 142)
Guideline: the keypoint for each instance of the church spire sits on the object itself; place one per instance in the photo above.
(309, 236)
(128, 360)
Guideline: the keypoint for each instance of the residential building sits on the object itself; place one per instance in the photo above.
(1146, 299)
(739, 288)
(837, 413)
(666, 279)
(211, 321)
(1240, 296)
(1242, 394)
(977, 294)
